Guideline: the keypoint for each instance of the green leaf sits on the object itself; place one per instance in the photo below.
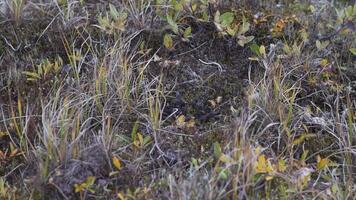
(244, 40)
(146, 140)
(187, 32)
(245, 26)
(173, 25)
(349, 11)
(304, 155)
(90, 180)
(353, 51)
(262, 50)
(178, 6)
(195, 163)
(224, 158)
(113, 12)
(321, 45)
(311, 8)
(168, 41)
(31, 74)
(226, 19)
(223, 175)
(255, 49)
(232, 30)
(134, 131)
(217, 150)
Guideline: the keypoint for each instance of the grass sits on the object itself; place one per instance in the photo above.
(177, 100)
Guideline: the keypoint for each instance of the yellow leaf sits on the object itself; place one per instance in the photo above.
(324, 62)
(2, 134)
(116, 162)
(322, 163)
(168, 41)
(263, 50)
(282, 166)
(261, 164)
(311, 8)
(136, 143)
(268, 178)
(13, 153)
(318, 158)
(279, 26)
(299, 140)
(89, 181)
(225, 159)
(180, 121)
(140, 138)
(120, 196)
(78, 188)
(191, 123)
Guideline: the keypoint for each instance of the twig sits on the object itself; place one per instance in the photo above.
(212, 63)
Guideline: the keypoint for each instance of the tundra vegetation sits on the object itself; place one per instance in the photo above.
(177, 99)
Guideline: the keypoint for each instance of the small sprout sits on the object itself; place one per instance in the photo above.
(173, 25)
(245, 26)
(44, 69)
(113, 20)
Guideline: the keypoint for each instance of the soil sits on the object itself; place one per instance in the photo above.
(197, 84)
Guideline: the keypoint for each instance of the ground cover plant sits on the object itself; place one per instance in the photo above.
(177, 99)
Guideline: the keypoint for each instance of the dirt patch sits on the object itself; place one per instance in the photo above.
(206, 73)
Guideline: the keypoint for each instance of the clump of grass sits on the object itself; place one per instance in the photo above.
(15, 8)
